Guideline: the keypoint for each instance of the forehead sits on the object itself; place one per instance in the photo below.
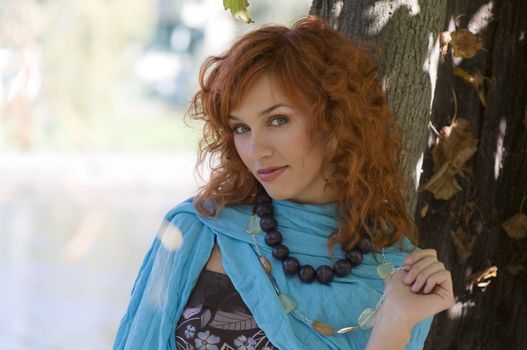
(266, 91)
(259, 95)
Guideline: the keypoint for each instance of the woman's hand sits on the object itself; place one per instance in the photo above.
(423, 291)
(411, 297)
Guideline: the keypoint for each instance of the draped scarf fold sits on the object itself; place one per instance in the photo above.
(182, 248)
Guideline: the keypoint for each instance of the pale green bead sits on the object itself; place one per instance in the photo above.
(253, 226)
(384, 269)
(367, 318)
(288, 303)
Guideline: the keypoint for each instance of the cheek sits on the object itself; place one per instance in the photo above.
(240, 147)
(314, 156)
(297, 142)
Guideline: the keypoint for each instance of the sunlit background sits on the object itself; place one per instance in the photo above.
(94, 151)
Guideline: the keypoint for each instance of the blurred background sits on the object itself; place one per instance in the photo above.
(94, 151)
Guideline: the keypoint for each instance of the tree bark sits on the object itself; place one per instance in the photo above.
(493, 187)
(465, 230)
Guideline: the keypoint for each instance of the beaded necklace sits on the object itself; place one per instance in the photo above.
(365, 320)
(273, 238)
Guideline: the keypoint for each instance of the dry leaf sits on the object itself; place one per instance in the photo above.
(443, 184)
(516, 226)
(456, 145)
(463, 243)
(444, 40)
(453, 149)
(424, 209)
(476, 81)
(482, 277)
(464, 43)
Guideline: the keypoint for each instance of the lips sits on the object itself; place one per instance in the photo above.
(271, 173)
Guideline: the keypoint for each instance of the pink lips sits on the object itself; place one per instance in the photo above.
(269, 174)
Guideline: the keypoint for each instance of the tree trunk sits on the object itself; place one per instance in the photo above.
(466, 229)
(493, 187)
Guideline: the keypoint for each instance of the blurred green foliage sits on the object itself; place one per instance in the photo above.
(85, 51)
(67, 76)
(88, 50)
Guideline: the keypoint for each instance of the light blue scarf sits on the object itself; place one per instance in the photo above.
(168, 275)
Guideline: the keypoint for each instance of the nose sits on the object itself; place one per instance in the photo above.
(259, 146)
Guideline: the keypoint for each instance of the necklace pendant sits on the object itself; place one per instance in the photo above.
(266, 264)
(367, 318)
(253, 226)
(323, 328)
(384, 269)
(288, 303)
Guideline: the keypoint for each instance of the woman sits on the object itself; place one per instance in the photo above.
(300, 239)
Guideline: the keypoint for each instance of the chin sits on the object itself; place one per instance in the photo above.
(277, 194)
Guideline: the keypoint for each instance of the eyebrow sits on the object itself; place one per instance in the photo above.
(265, 111)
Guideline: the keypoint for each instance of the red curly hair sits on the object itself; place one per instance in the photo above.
(340, 79)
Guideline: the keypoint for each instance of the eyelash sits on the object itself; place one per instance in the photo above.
(284, 120)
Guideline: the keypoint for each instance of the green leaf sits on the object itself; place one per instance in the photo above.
(238, 9)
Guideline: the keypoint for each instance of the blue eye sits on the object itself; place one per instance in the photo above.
(240, 129)
(279, 120)
(275, 121)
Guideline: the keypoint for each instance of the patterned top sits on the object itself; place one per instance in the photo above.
(216, 318)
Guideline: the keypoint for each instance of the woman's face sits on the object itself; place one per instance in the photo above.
(271, 137)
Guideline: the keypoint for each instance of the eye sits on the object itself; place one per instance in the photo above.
(279, 120)
(240, 129)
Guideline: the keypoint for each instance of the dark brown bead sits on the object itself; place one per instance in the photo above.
(354, 256)
(264, 209)
(342, 267)
(324, 274)
(291, 265)
(273, 238)
(280, 252)
(267, 222)
(263, 198)
(365, 244)
(307, 274)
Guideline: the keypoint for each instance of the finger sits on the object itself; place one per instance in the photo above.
(443, 281)
(443, 290)
(440, 299)
(418, 255)
(424, 276)
(418, 267)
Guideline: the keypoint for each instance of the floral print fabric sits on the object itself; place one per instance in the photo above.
(216, 318)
